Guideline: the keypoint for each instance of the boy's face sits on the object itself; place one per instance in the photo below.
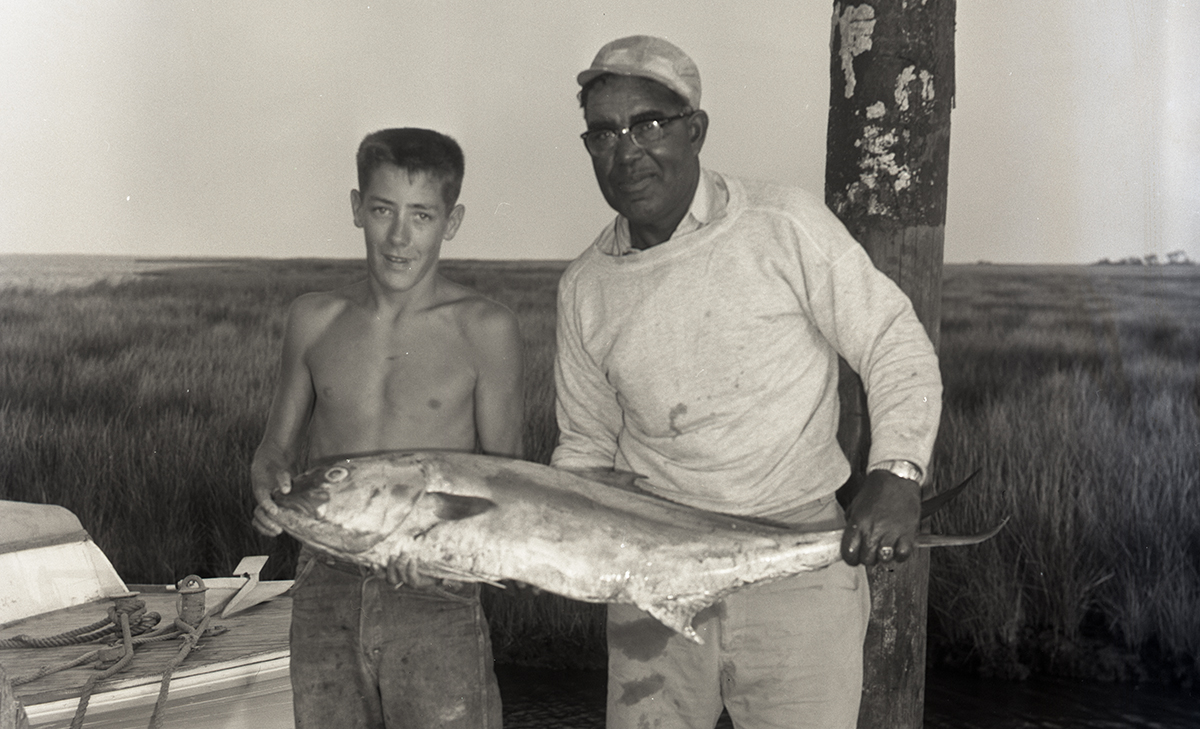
(404, 220)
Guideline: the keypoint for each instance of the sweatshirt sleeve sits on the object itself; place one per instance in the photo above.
(872, 324)
(589, 416)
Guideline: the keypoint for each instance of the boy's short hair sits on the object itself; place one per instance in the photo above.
(414, 150)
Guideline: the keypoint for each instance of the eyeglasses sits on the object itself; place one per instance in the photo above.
(602, 141)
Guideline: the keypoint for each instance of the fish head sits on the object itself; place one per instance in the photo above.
(348, 506)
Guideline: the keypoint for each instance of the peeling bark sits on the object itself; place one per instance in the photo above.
(892, 88)
(887, 164)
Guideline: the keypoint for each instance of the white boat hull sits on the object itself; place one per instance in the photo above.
(256, 694)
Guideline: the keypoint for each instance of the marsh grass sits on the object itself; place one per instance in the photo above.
(1076, 392)
(137, 405)
(137, 402)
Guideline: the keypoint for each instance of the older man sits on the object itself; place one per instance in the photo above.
(698, 343)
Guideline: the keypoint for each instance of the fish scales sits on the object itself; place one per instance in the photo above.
(488, 519)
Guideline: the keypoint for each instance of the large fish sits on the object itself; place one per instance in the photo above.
(479, 518)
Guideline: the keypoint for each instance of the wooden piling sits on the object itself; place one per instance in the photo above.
(887, 161)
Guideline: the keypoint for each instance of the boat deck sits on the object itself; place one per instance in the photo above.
(250, 653)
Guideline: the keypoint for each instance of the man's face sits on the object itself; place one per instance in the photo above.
(652, 186)
(404, 220)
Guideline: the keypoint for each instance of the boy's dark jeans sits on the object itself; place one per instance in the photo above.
(366, 654)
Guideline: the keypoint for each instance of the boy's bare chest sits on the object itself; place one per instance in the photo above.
(393, 369)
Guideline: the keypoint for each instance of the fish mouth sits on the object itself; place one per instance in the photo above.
(302, 520)
(336, 541)
(307, 496)
(307, 503)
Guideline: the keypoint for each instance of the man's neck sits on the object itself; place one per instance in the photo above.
(649, 233)
(642, 237)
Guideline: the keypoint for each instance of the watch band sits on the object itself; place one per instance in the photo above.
(903, 469)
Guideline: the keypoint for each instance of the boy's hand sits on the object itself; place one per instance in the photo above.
(264, 524)
(266, 480)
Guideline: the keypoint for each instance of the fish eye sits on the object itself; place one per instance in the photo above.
(337, 473)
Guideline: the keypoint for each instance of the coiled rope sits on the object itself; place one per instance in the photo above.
(127, 616)
(140, 622)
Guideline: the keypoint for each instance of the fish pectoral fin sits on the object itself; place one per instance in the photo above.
(955, 540)
(453, 507)
(445, 572)
(678, 613)
(624, 480)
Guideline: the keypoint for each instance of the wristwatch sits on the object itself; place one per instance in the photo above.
(903, 469)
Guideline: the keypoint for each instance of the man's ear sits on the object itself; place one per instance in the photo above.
(698, 129)
(356, 207)
(455, 220)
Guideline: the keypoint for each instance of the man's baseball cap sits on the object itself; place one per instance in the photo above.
(648, 57)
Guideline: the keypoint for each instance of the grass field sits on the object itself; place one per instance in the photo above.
(137, 401)
(1077, 391)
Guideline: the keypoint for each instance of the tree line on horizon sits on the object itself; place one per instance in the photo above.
(1174, 258)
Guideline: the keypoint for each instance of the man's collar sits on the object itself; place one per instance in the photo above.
(701, 210)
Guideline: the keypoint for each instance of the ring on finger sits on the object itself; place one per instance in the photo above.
(885, 553)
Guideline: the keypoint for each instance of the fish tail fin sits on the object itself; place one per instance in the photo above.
(933, 503)
(678, 613)
(955, 540)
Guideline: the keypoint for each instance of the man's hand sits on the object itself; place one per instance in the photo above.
(267, 477)
(882, 521)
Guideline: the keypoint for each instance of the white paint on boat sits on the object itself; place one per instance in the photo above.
(48, 562)
(51, 572)
(254, 693)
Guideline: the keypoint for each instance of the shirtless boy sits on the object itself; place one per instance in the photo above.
(404, 359)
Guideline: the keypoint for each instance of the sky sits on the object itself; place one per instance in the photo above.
(228, 128)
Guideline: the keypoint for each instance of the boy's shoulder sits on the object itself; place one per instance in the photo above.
(311, 314)
(473, 311)
(471, 303)
(318, 303)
